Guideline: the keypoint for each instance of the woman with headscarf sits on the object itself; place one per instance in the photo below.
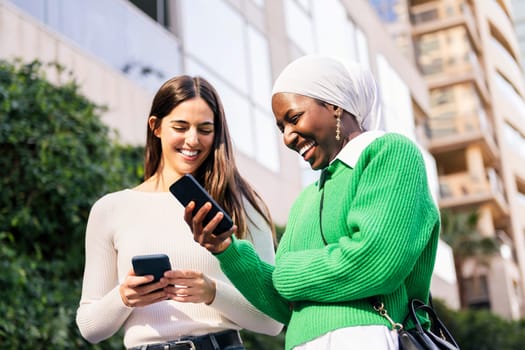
(367, 231)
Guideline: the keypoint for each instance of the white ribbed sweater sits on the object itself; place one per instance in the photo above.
(128, 223)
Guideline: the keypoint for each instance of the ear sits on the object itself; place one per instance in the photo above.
(152, 120)
(338, 111)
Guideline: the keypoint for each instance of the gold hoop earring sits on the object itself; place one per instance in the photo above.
(338, 127)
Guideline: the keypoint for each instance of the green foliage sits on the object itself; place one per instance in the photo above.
(58, 157)
(256, 341)
(460, 232)
(481, 329)
(38, 305)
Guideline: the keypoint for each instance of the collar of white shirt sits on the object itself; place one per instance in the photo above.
(353, 149)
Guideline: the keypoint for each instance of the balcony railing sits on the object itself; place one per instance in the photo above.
(438, 11)
(450, 124)
(433, 11)
(435, 15)
(462, 185)
(444, 69)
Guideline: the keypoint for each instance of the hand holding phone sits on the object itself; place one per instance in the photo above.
(151, 264)
(187, 189)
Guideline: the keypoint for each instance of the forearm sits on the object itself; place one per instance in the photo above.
(232, 305)
(342, 271)
(253, 278)
(98, 320)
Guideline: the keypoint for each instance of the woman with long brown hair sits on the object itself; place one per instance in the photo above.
(194, 304)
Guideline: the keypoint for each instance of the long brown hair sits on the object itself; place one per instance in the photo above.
(218, 174)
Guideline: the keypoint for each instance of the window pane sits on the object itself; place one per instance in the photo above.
(236, 108)
(362, 48)
(305, 4)
(334, 32)
(397, 103)
(215, 34)
(266, 138)
(299, 27)
(260, 77)
(156, 9)
(259, 3)
(117, 33)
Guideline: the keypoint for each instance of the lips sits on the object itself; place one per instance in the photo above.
(189, 153)
(306, 147)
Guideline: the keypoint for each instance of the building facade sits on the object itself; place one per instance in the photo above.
(121, 51)
(518, 13)
(468, 52)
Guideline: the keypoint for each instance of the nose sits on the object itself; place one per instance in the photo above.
(192, 137)
(289, 136)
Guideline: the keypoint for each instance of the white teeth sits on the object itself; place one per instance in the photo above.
(189, 153)
(306, 147)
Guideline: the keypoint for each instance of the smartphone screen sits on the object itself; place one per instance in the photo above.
(151, 264)
(187, 189)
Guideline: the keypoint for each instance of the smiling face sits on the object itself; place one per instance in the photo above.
(186, 135)
(308, 127)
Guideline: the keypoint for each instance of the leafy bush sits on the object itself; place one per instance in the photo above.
(38, 305)
(58, 157)
(481, 329)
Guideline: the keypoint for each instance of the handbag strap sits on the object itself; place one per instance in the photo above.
(379, 306)
(436, 324)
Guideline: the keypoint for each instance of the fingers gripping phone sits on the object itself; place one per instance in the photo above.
(152, 264)
(187, 189)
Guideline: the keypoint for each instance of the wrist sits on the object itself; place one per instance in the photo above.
(223, 246)
(213, 292)
(123, 297)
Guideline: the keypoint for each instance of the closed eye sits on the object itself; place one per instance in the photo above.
(294, 118)
(180, 128)
(206, 130)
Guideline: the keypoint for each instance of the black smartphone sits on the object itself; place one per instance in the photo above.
(187, 189)
(151, 264)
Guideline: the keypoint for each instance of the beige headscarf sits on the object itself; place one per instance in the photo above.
(349, 86)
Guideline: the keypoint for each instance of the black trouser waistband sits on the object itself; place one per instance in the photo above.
(211, 341)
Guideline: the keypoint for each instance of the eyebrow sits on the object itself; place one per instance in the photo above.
(185, 122)
(285, 117)
(287, 114)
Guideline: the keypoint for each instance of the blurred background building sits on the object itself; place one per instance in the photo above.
(469, 55)
(518, 12)
(449, 72)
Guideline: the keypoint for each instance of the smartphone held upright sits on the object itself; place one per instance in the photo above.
(187, 189)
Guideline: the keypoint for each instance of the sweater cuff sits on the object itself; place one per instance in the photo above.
(225, 294)
(231, 254)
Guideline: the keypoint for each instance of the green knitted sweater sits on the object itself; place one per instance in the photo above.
(381, 227)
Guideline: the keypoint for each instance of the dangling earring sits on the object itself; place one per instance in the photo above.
(338, 126)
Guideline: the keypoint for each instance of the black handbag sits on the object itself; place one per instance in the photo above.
(437, 337)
